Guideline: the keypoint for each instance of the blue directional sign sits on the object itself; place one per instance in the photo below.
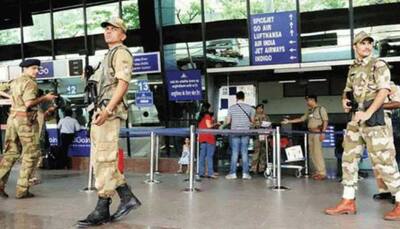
(184, 85)
(71, 90)
(46, 70)
(330, 139)
(274, 38)
(143, 85)
(144, 99)
(144, 63)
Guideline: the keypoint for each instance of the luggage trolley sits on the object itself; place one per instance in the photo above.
(293, 154)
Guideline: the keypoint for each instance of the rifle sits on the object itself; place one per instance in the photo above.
(91, 99)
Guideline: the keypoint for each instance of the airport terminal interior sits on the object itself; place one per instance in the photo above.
(186, 53)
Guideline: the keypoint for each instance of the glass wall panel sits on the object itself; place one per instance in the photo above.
(10, 36)
(372, 2)
(261, 6)
(382, 22)
(325, 32)
(98, 14)
(130, 14)
(216, 10)
(40, 30)
(181, 12)
(68, 23)
(183, 56)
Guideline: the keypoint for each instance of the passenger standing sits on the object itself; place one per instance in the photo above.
(207, 142)
(68, 127)
(240, 116)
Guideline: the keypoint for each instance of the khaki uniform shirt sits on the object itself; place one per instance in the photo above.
(315, 117)
(259, 118)
(367, 77)
(122, 62)
(394, 96)
(22, 89)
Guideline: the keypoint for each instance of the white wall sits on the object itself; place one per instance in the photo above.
(277, 104)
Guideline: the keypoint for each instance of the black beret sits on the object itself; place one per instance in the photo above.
(311, 97)
(29, 62)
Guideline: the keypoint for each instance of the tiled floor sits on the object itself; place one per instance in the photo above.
(221, 204)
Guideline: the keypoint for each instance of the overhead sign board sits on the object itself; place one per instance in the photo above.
(274, 38)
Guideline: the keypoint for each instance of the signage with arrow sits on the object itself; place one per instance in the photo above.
(274, 38)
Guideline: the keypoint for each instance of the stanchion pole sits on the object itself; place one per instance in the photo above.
(278, 187)
(191, 187)
(306, 155)
(90, 187)
(197, 156)
(151, 179)
(268, 169)
(274, 155)
(157, 172)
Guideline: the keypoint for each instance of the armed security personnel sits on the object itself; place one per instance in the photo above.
(317, 121)
(369, 81)
(22, 128)
(392, 103)
(112, 79)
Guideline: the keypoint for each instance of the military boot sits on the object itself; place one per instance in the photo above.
(393, 214)
(344, 207)
(3, 193)
(128, 202)
(24, 195)
(100, 215)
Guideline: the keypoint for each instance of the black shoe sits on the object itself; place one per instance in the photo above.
(382, 196)
(100, 215)
(3, 193)
(392, 200)
(128, 202)
(26, 195)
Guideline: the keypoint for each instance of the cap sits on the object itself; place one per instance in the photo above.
(311, 97)
(116, 22)
(29, 62)
(362, 36)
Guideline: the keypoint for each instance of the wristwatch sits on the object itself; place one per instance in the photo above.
(109, 112)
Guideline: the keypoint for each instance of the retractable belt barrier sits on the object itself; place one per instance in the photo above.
(155, 132)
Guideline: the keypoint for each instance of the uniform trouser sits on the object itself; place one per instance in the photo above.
(317, 158)
(20, 134)
(66, 142)
(104, 149)
(381, 151)
(379, 181)
(259, 157)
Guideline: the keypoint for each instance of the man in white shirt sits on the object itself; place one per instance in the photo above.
(68, 126)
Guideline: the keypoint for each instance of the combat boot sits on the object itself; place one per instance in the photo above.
(100, 215)
(3, 193)
(128, 202)
(24, 195)
(344, 207)
(393, 215)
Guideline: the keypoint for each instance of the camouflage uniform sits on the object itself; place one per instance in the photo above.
(22, 126)
(104, 138)
(365, 79)
(315, 118)
(395, 97)
(259, 157)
